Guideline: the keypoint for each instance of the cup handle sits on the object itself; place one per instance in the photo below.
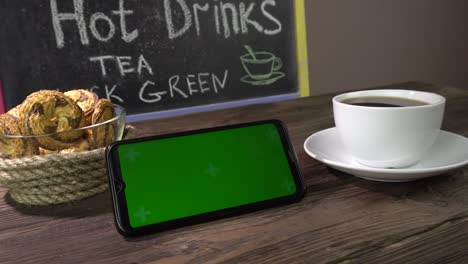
(278, 63)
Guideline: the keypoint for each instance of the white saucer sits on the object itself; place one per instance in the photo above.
(450, 151)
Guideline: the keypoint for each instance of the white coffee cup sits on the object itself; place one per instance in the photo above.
(388, 137)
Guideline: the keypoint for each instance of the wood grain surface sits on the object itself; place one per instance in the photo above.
(342, 219)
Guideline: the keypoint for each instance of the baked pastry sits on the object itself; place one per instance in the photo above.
(86, 100)
(104, 134)
(46, 151)
(48, 112)
(15, 111)
(14, 147)
(50, 122)
(82, 145)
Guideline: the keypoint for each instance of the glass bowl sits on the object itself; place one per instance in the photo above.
(69, 141)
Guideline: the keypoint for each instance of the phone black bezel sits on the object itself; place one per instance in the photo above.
(117, 186)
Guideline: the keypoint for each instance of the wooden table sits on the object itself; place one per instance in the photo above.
(342, 219)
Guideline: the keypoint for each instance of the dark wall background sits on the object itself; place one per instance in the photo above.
(363, 43)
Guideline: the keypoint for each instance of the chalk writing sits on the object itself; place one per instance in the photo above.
(78, 16)
(123, 64)
(94, 30)
(173, 33)
(149, 98)
(233, 18)
(152, 55)
(178, 86)
(109, 92)
(271, 17)
(122, 13)
(197, 83)
(196, 8)
(245, 18)
(262, 67)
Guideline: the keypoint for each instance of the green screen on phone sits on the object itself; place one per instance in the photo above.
(172, 178)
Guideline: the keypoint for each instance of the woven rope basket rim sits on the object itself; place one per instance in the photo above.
(56, 178)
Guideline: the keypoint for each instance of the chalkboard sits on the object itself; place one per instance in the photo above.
(152, 55)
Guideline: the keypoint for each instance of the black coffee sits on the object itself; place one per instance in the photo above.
(384, 101)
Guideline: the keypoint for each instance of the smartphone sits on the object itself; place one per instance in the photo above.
(168, 181)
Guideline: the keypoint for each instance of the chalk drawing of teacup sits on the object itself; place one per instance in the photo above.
(261, 65)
